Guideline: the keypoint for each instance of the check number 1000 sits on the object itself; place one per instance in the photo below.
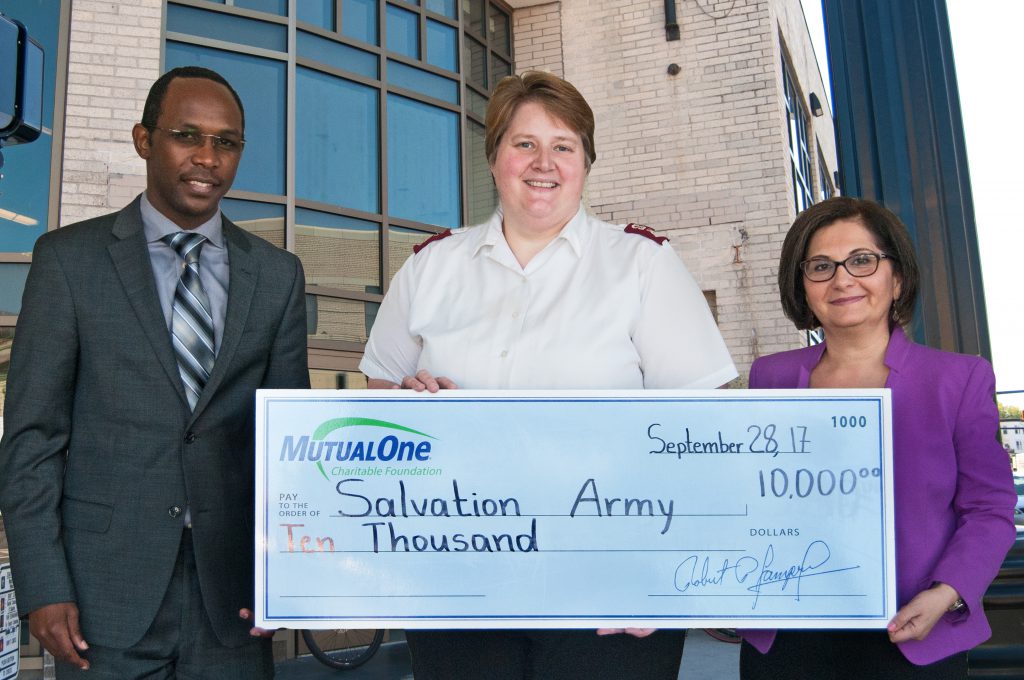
(804, 482)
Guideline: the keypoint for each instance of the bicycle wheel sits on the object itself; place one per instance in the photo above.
(334, 648)
(724, 635)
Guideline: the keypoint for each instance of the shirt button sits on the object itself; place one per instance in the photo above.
(515, 315)
(190, 437)
(504, 353)
(174, 511)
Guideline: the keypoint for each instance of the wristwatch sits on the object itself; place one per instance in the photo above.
(958, 605)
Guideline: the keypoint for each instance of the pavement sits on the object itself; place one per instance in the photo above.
(704, 658)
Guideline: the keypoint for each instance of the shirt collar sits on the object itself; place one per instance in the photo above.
(155, 225)
(572, 233)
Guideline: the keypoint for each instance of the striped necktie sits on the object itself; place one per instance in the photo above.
(191, 320)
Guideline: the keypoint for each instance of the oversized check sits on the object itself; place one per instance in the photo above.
(710, 508)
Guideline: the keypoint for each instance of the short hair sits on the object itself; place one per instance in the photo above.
(157, 93)
(890, 234)
(558, 97)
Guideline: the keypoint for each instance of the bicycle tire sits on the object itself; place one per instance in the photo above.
(343, 659)
(728, 635)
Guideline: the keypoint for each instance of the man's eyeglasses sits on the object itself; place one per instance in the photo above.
(193, 139)
(820, 269)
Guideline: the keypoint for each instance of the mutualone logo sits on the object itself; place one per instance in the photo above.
(329, 443)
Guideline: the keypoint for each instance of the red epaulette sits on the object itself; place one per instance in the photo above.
(644, 230)
(436, 237)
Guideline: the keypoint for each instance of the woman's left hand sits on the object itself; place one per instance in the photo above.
(916, 619)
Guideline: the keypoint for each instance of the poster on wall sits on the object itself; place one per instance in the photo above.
(10, 626)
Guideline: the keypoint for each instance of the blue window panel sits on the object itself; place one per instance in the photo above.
(473, 13)
(317, 12)
(423, 162)
(260, 84)
(337, 141)
(403, 32)
(25, 194)
(12, 287)
(25, 187)
(474, 62)
(332, 221)
(499, 69)
(401, 241)
(421, 81)
(220, 26)
(359, 20)
(442, 45)
(338, 55)
(279, 7)
(476, 103)
(338, 251)
(42, 19)
(501, 36)
(445, 7)
(265, 220)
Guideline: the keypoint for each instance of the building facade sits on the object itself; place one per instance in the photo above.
(365, 133)
(1012, 434)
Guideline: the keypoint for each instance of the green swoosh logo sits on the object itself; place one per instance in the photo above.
(337, 423)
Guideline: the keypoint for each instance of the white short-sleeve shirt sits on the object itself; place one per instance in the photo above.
(597, 308)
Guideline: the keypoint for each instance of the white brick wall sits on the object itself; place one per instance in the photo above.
(700, 156)
(538, 38)
(114, 57)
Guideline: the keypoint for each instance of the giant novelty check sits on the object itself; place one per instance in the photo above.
(711, 508)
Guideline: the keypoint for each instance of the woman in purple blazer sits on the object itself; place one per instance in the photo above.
(848, 266)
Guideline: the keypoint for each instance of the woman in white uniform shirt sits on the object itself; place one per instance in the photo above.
(544, 295)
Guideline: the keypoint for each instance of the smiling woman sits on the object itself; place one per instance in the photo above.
(848, 266)
(545, 296)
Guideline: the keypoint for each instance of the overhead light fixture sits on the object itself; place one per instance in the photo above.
(18, 219)
(816, 109)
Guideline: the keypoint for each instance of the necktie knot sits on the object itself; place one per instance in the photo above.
(187, 244)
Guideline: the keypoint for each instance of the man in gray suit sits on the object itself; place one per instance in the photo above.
(126, 467)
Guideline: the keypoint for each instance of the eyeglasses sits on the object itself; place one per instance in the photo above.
(820, 269)
(192, 139)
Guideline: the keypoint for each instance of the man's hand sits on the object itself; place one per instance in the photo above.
(56, 628)
(246, 615)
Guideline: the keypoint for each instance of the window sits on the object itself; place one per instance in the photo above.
(375, 142)
(799, 157)
(825, 188)
(28, 197)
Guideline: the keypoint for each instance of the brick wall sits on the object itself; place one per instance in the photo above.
(114, 57)
(700, 156)
(538, 38)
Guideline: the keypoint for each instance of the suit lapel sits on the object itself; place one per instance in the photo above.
(243, 272)
(131, 261)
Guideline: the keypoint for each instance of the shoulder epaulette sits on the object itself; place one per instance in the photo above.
(436, 237)
(644, 230)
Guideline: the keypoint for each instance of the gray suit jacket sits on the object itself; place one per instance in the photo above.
(100, 445)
